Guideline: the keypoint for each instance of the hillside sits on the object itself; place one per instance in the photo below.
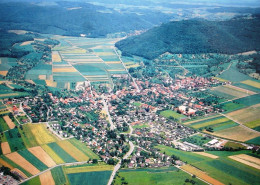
(195, 36)
(74, 18)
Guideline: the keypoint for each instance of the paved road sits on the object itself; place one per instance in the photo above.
(112, 125)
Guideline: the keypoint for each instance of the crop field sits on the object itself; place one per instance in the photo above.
(6, 64)
(52, 154)
(9, 122)
(164, 176)
(27, 136)
(249, 100)
(90, 178)
(42, 156)
(20, 172)
(217, 123)
(252, 83)
(231, 106)
(46, 178)
(249, 116)
(237, 133)
(201, 174)
(87, 168)
(170, 113)
(56, 56)
(255, 141)
(229, 92)
(3, 125)
(61, 153)
(222, 169)
(58, 175)
(21, 161)
(83, 148)
(41, 134)
(207, 155)
(248, 87)
(72, 150)
(247, 160)
(33, 181)
(33, 160)
(5, 148)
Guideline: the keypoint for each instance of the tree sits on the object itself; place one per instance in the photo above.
(95, 161)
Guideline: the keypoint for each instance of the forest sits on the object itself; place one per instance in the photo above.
(194, 37)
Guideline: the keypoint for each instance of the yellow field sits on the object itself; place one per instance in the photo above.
(63, 70)
(10, 94)
(113, 62)
(51, 83)
(73, 151)
(220, 79)
(55, 56)
(2, 162)
(18, 159)
(105, 53)
(42, 156)
(237, 133)
(207, 155)
(75, 51)
(201, 174)
(26, 43)
(5, 148)
(52, 154)
(116, 70)
(30, 81)
(247, 115)
(4, 73)
(210, 123)
(20, 172)
(46, 178)
(9, 122)
(42, 77)
(248, 160)
(135, 65)
(240, 89)
(84, 60)
(251, 83)
(41, 134)
(88, 169)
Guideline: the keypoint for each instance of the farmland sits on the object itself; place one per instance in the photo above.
(163, 176)
(3, 125)
(170, 113)
(222, 168)
(46, 178)
(42, 156)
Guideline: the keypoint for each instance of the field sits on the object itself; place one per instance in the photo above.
(46, 178)
(14, 139)
(222, 169)
(26, 134)
(9, 122)
(3, 125)
(216, 123)
(56, 56)
(200, 174)
(41, 134)
(163, 176)
(230, 92)
(234, 145)
(73, 151)
(19, 160)
(207, 155)
(170, 113)
(33, 181)
(61, 153)
(249, 116)
(59, 176)
(52, 154)
(5, 148)
(33, 160)
(249, 100)
(255, 141)
(87, 168)
(252, 83)
(248, 160)
(237, 133)
(42, 156)
(231, 106)
(90, 178)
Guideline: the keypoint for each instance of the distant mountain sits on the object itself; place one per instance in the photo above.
(74, 18)
(195, 36)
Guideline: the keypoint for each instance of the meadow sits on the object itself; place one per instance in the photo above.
(222, 169)
(163, 176)
(170, 113)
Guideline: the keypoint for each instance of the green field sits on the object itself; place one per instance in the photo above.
(248, 87)
(197, 139)
(3, 125)
(249, 100)
(83, 148)
(14, 139)
(61, 153)
(33, 181)
(255, 141)
(170, 113)
(223, 169)
(58, 176)
(89, 178)
(33, 160)
(163, 176)
(230, 106)
(27, 136)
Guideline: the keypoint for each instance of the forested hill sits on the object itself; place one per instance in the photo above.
(195, 36)
(74, 18)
